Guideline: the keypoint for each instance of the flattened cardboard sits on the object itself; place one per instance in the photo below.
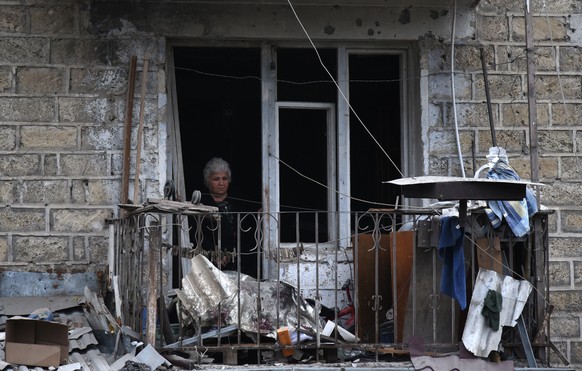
(34, 342)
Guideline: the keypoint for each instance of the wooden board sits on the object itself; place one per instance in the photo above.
(366, 290)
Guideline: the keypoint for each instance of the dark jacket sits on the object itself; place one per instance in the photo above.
(230, 210)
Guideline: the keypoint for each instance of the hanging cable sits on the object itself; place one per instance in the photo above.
(325, 186)
(341, 92)
(453, 87)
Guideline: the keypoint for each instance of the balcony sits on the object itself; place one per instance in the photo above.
(375, 296)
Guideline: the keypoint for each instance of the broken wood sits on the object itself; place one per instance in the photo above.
(102, 314)
(152, 309)
(543, 326)
(127, 131)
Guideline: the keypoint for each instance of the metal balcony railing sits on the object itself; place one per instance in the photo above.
(371, 294)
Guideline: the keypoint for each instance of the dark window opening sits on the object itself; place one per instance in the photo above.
(301, 77)
(375, 97)
(307, 153)
(219, 103)
(219, 108)
(303, 139)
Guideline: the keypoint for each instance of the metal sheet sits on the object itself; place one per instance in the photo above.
(24, 305)
(205, 287)
(478, 338)
(455, 188)
(81, 339)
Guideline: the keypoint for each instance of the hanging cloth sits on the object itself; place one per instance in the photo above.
(516, 213)
(492, 306)
(451, 253)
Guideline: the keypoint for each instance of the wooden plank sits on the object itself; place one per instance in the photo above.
(401, 245)
(176, 170)
(140, 132)
(153, 274)
(127, 130)
(365, 260)
(489, 254)
(531, 93)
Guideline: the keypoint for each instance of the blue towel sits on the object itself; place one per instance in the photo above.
(451, 253)
(516, 213)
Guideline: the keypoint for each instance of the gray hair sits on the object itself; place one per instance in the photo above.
(215, 165)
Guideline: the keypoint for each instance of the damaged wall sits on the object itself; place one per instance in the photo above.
(63, 82)
(63, 92)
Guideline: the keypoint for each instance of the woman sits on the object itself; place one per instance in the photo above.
(217, 178)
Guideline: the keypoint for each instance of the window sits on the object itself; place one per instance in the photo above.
(257, 106)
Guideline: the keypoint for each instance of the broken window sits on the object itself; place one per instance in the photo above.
(292, 140)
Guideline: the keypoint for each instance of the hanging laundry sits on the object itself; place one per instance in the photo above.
(515, 213)
(451, 253)
(491, 307)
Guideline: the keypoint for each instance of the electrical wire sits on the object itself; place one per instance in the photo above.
(340, 90)
(326, 186)
(340, 193)
(453, 94)
(371, 81)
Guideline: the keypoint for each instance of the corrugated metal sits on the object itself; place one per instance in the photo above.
(24, 305)
(479, 338)
(81, 338)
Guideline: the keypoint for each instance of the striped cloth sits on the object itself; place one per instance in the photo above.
(515, 213)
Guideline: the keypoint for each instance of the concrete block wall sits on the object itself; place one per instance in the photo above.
(63, 80)
(62, 111)
(500, 31)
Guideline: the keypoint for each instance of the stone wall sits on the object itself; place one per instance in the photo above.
(62, 106)
(63, 82)
(500, 31)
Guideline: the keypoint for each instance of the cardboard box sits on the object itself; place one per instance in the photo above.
(34, 342)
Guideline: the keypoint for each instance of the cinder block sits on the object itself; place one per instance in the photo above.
(559, 273)
(556, 141)
(39, 80)
(7, 138)
(48, 137)
(24, 50)
(53, 19)
(45, 191)
(22, 220)
(98, 81)
(90, 110)
(84, 164)
(12, 19)
(102, 137)
(19, 165)
(41, 249)
(78, 220)
(562, 247)
(19, 109)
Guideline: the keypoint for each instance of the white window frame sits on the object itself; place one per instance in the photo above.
(331, 160)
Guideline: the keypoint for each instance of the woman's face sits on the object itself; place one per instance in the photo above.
(218, 184)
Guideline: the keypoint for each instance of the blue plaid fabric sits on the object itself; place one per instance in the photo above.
(515, 213)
